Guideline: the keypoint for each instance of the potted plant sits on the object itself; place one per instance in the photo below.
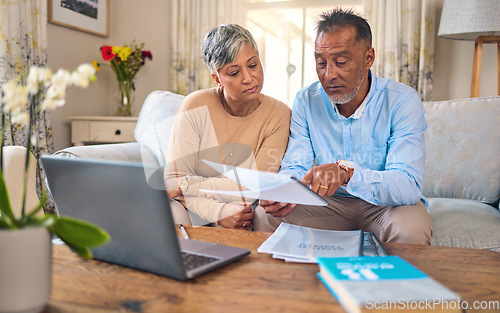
(25, 236)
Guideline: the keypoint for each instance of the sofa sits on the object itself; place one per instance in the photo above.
(462, 181)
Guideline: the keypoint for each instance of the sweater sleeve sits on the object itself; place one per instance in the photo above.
(193, 134)
(183, 160)
(268, 158)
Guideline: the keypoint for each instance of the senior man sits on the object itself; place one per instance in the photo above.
(358, 140)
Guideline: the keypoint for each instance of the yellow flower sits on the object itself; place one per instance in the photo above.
(122, 52)
(96, 65)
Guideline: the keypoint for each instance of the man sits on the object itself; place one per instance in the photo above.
(366, 135)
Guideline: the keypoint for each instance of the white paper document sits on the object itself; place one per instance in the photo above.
(303, 244)
(279, 187)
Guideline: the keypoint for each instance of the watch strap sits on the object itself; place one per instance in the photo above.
(348, 168)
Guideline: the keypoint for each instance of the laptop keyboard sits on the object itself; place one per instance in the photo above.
(192, 260)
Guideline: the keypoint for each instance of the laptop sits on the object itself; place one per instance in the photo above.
(129, 201)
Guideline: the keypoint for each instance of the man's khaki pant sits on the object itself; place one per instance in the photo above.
(403, 224)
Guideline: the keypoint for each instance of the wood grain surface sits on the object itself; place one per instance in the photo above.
(257, 283)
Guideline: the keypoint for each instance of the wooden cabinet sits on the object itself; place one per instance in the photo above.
(102, 129)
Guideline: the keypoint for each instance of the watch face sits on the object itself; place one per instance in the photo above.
(183, 183)
(346, 163)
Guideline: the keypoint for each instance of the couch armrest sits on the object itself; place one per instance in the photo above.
(130, 151)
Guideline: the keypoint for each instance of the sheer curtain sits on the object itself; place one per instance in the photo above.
(403, 38)
(190, 21)
(23, 43)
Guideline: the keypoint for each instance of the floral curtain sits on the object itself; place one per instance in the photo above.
(403, 38)
(191, 20)
(23, 43)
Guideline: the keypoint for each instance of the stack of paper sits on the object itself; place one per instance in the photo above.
(294, 243)
(279, 187)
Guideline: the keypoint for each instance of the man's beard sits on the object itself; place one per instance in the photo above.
(343, 99)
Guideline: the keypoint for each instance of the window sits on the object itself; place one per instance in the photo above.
(285, 32)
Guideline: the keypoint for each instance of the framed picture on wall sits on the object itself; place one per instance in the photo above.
(90, 16)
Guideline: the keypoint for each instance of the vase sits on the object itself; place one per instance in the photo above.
(125, 99)
(25, 271)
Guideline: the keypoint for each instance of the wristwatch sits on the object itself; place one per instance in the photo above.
(183, 184)
(348, 168)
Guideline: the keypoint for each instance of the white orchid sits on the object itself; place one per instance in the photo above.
(43, 91)
(83, 76)
(47, 88)
(32, 82)
(20, 116)
(15, 97)
(59, 82)
(36, 76)
(50, 104)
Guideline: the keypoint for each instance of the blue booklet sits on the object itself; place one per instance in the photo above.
(372, 283)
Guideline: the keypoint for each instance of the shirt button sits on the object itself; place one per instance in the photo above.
(346, 123)
(347, 155)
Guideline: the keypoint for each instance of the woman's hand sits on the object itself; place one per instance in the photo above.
(236, 215)
(174, 193)
(173, 190)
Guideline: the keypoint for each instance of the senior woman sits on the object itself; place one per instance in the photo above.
(233, 123)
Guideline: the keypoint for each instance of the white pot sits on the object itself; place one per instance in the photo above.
(25, 269)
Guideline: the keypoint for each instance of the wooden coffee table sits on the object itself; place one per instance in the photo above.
(258, 283)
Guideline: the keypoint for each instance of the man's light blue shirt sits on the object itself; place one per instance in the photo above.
(384, 139)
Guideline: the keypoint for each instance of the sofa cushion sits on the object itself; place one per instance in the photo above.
(462, 149)
(128, 151)
(155, 121)
(465, 224)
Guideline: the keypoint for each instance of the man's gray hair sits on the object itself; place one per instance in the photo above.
(222, 44)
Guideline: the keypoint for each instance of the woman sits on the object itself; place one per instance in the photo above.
(233, 124)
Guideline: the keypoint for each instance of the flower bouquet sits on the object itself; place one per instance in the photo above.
(125, 61)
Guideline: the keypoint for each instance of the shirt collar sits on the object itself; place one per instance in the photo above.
(359, 111)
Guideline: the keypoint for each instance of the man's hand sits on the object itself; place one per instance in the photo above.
(324, 179)
(237, 215)
(277, 209)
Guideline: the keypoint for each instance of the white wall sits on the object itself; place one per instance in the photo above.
(148, 21)
(145, 21)
(453, 67)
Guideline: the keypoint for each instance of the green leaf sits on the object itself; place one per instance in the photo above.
(6, 223)
(40, 221)
(84, 252)
(5, 208)
(79, 235)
